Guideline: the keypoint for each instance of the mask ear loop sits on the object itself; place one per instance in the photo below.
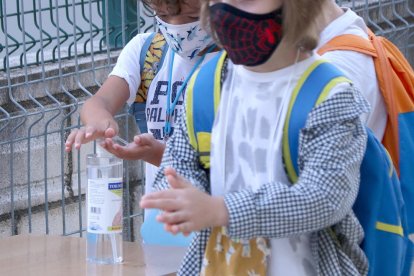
(299, 51)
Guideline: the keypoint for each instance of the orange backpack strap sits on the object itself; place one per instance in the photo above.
(390, 65)
(349, 42)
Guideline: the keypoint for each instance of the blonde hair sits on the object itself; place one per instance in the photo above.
(300, 22)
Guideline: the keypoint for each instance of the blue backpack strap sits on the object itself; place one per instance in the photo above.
(144, 50)
(137, 109)
(379, 205)
(146, 47)
(317, 81)
(202, 98)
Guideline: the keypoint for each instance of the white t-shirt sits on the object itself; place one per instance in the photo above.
(249, 125)
(359, 68)
(248, 135)
(128, 68)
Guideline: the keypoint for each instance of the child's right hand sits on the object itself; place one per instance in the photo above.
(103, 129)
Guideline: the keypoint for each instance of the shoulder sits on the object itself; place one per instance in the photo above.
(344, 102)
(136, 43)
(348, 23)
(132, 50)
(356, 66)
(348, 61)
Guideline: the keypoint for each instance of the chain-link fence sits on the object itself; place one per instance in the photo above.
(54, 54)
(393, 19)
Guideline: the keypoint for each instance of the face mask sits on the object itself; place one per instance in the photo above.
(186, 40)
(249, 39)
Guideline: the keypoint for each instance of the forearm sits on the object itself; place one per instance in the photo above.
(106, 102)
(277, 211)
(94, 109)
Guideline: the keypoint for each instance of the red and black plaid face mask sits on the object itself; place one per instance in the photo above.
(249, 39)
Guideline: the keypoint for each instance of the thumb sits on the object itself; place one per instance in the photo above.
(111, 130)
(175, 180)
(143, 139)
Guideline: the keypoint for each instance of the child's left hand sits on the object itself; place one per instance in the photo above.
(144, 147)
(185, 208)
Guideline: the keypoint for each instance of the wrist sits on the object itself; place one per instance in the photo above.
(159, 148)
(221, 213)
(155, 156)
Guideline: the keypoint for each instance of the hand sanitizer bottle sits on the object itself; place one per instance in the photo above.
(104, 207)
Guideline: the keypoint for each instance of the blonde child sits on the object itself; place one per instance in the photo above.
(249, 218)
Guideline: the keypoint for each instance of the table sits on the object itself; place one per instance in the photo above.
(47, 255)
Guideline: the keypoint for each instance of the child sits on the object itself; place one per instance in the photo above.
(255, 222)
(188, 47)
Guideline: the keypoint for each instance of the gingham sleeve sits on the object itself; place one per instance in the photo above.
(180, 155)
(331, 149)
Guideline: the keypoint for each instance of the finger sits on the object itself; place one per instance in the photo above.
(79, 138)
(90, 132)
(170, 171)
(164, 194)
(118, 147)
(110, 132)
(176, 181)
(143, 139)
(167, 227)
(103, 144)
(139, 139)
(185, 227)
(70, 140)
(120, 151)
(124, 152)
(108, 145)
(167, 204)
(112, 129)
(176, 217)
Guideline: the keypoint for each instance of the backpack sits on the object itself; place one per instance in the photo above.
(396, 82)
(380, 208)
(150, 61)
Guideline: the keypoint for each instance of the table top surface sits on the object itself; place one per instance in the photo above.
(63, 256)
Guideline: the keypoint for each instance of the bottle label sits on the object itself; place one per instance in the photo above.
(104, 203)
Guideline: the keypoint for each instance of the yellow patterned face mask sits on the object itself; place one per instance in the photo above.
(226, 256)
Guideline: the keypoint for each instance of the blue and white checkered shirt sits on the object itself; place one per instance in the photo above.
(331, 149)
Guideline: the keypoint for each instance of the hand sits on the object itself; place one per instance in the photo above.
(144, 147)
(185, 208)
(104, 129)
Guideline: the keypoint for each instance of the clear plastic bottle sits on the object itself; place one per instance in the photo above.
(104, 208)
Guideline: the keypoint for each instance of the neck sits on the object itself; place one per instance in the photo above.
(284, 56)
(330, 12)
